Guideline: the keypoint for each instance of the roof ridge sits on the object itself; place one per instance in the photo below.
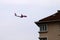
(55, 16)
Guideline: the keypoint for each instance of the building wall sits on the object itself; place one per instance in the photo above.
(53, 31)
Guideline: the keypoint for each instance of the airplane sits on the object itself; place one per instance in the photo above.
(20, 16)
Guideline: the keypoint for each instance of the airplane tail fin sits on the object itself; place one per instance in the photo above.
(15, 14)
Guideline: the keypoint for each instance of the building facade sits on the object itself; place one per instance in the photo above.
(49, 27)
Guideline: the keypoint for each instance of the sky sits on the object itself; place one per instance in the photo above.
(15, 28)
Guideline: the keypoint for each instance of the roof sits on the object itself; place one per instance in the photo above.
(51, 18)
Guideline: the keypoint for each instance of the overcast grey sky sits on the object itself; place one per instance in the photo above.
(14, 28)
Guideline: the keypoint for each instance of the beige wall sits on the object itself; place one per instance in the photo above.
(53, 31)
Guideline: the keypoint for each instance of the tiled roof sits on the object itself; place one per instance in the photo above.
(54, 17)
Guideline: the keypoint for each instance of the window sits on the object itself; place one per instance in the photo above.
(43, 27)
(43, 38)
